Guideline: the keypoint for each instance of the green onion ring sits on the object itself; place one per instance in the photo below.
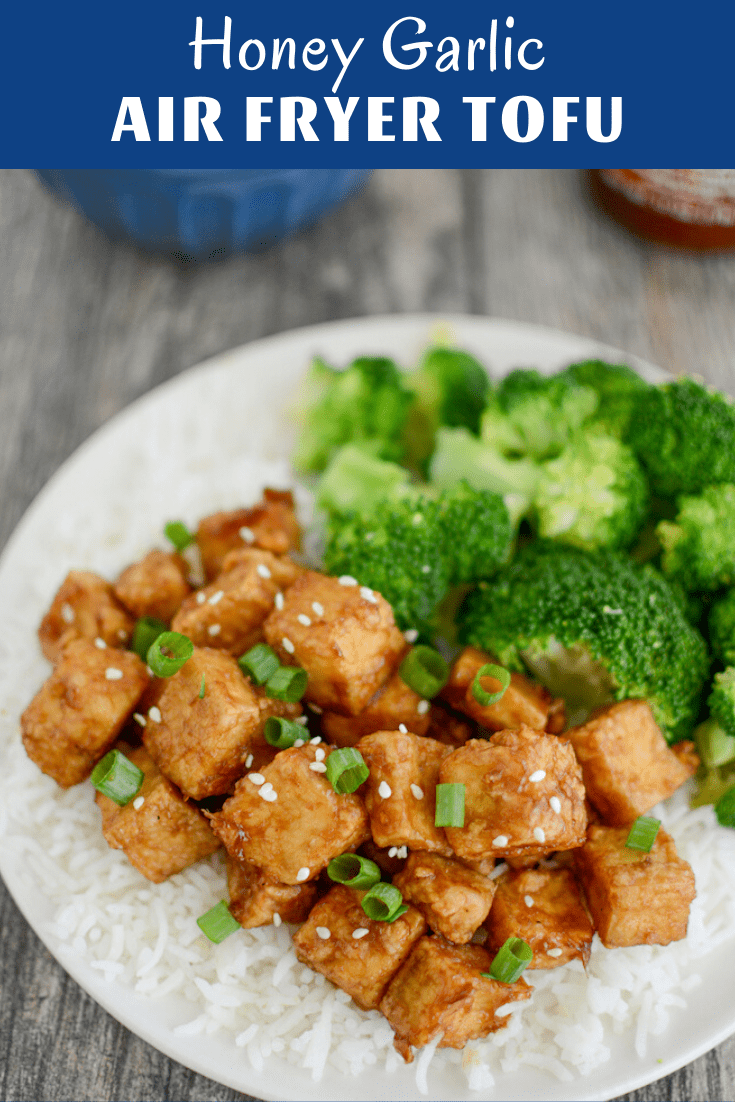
(283, 733)
(449, 805)
(346, 770)
(425, 671)
(179, 647)
(489, 670)
(118, 778)
(259, 663)
(510, 961)
(287, 683)
(179, 535)
(218, 923)
(353, 870)
(383, 903)
(643, 833)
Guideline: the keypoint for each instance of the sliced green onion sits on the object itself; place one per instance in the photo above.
(179, 535)
(449, 805)
(346, 769)
(383, 903)
(218, 923)
(353, 870)
(643, 833)
(169, 653)
(490, 670)
(287, 683)
(202, 689)
(117, 777)
(725, 808)
(425, 671)
(259, 663)
(145, 632)
(282, 733)
(510, 961)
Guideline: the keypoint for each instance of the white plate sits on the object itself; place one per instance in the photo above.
(181, 426)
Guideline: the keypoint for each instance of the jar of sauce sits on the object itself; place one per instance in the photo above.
(691, 208)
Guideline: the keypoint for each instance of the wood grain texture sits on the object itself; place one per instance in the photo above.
(86, 326)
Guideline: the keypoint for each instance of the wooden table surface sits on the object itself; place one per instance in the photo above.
(86, 326)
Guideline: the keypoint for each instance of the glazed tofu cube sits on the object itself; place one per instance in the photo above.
(159, 832)
(635, 898)
(288, 820)
(354, 952)
(203, 742)
(229, 613)
(450, 727)
(626, 763)
(522, 703)
(523, 795)
(392, 705)
(155, 586)
(344, 636)
(454, 900)
(85, 607)
(545, 908)
(400, 793)
(255, 899)
(270, 525)
(77, 715)
(441, 989)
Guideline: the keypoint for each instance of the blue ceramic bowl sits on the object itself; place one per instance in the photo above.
(203, 213)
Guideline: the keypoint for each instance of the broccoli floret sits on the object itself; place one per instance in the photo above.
(535, 415)
(714, 746)
(699, 548)
(365, 402)
(450, 388)
(477, 532)
(563, 610)
(459, 455)
(722, 629)
(721, 700)
(685, 437)
(593, 495)
(618, 389)
(355, 481)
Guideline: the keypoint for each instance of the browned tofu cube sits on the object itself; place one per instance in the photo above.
(155, 586)
(392, 705)
(288, 820)
(626, 763)
(75, 717)
(255, 899)
(400, 793)
(523, 795)
(356, 953)
(441, 989)
(203, 742)
(635, 898)
(522, 703)
(454, 900)
(545, 908)
(229, 613)
(344, 636)
(159, 832)
(85, 607)
(270, 525)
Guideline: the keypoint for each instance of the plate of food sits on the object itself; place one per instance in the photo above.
(380, 733)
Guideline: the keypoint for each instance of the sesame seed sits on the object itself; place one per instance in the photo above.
(100, 643)
(67, 613)
(528, 900)
(256, 778)
(113, 674)
(411, 635)
(554, 952)
(263, 570)
(539, 834)
(347, 579)
(384, 790)
(122, 633)
(315, 709)
(277, 920)
(267, 787)
(368, 595)
(403, 728)
(323, 932)
(303, 874)
(214, 629)
(501, 841)
(269, 796)
(555, 804)
(361, 931)
(318, 767)
(393, 851)
(318, 608)
(201, 598)
(316, 741)
(426, 569)
(139, 719)
(248, 761)
(301, 720)
(320, 753)
(417, 519)
(287, 645)
(537, 776)
(217, 597)
(303, 619)
(402, 851)
(247, 534)
(422, 707)
(279, 601)
(299, 742)
(154, 713)
(138, 802)
(417, 791)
